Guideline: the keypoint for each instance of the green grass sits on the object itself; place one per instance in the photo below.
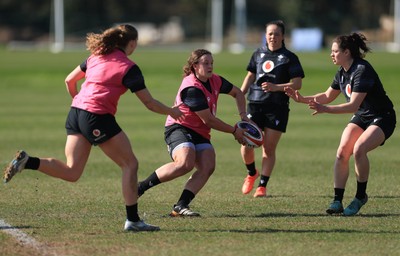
(86, 218)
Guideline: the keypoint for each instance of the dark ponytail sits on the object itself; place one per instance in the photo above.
(355, 43)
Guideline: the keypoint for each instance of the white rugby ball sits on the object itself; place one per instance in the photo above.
(253, 135)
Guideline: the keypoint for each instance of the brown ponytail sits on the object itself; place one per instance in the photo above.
(115, 37)
(193, 59)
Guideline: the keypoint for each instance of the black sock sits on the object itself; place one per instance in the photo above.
(339, 192)
(32, 163)
(150, 182)
(361, 189)
(186, 197)
(132, 213)
(263, 181)
(251, 169)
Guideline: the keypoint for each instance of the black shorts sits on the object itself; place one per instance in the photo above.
(94, 127)
(385, 121)
(273, 116)
(177, 136)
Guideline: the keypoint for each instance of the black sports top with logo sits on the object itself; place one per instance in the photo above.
(276, 67)
(361, 77)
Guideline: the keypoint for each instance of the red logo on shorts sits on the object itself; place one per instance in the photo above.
(96, 132)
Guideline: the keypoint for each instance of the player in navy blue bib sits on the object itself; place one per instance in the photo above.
(372, 123)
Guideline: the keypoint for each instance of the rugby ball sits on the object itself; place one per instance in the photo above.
(253, 135)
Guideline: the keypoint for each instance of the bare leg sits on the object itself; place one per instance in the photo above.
(205, 166)
(184, 161)
(247, 154)
(369, 140)
(271, 139)
(119, 149)
(77, 150)
(341, 168)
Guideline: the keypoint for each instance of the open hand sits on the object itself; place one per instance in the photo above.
(316, 106)
(294, 94)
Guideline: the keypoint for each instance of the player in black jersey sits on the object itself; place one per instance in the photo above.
(373, 122)
(271, 69)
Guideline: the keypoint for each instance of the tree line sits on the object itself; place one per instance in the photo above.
(31, 19)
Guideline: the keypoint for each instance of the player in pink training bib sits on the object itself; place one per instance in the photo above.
(188, 139)
(108, 74)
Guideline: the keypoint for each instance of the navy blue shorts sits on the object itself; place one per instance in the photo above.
(385, 121)
(178, 136)
(273, 116)
(94, 127)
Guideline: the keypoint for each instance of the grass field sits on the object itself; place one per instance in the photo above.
(86, 218)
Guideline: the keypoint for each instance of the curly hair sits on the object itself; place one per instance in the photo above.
(115, 37)
(194, 59)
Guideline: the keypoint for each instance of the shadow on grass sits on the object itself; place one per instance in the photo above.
(16, 227)
(303, 231)
(385, 197)
(285, 215)
(330, 196)
(294, 231)
(296, 215)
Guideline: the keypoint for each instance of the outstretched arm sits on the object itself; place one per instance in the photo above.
(323, 98)
(317, 102)
(349, 107)
(156, 106)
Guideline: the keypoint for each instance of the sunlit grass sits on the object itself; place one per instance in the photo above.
(86, 218)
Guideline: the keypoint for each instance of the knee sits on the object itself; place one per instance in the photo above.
(268, 152)
(210, 171)
(134, 166)
(70, 173)
(207, 169)
(184, 166)
(359, 151)
(74, 175)
(131, 167)
(130, 163)
(342, 154)
(73, 179)
(203, 173)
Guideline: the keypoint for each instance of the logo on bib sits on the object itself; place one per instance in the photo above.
(268, 66)
(348, 90)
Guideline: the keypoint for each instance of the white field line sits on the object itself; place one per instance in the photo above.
(23, 238)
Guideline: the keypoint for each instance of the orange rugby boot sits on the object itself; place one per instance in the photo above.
(261, 192)
(249, 183)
